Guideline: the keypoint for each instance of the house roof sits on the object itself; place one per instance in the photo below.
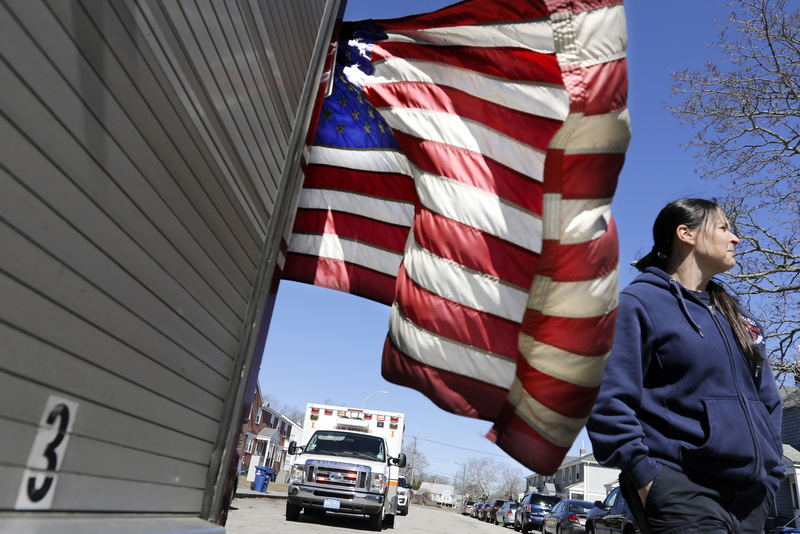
(266, 434)
(790, 396)
(791, 454)
(436, 489)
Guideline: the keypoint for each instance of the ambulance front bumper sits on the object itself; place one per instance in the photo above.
(333, 500)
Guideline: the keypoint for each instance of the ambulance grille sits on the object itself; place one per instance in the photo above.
(340, 478)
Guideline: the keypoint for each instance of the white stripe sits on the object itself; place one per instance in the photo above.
(448, 355)
(480, 209)
(537, 36)
(602, 35)
(528, 97)
(609, 133)
(585, 371)
(331, 246)
(389, 211)
(553, 426)
(580, 300)
(457, 283)
(584, 220)
(476, 137)
(383, 161)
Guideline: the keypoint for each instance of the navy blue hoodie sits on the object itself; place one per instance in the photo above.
(678, 391)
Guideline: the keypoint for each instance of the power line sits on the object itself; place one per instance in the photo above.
(462, 448)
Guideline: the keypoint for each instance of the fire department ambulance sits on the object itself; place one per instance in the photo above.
(349, 462)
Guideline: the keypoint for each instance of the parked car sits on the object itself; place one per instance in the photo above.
(403, 495)
(611, 515)
(567, 516)
(494, 506)
(466, 507)
(476, 510)
(484, 513)
(505, 514)
(532, 509)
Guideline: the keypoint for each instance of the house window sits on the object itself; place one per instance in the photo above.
(563, 475)
(248, 448)
(258, 417)
(577, 473)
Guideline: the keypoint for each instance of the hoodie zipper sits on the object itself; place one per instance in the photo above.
(740, 395)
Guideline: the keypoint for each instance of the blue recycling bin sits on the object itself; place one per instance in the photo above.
(263, 476)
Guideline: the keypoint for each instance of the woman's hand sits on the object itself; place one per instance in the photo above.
(644, 491)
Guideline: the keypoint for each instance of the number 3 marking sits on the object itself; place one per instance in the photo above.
(61, 412)
(40, 474)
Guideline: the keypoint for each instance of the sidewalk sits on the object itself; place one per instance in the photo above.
(275, 490)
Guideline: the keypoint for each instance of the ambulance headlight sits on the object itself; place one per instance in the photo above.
(297, 474)
(378, 483)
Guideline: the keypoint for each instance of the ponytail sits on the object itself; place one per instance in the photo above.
(729, 308)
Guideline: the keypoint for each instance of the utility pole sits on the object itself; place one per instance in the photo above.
(413, 461)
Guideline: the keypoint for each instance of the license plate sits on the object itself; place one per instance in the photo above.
(331, 504)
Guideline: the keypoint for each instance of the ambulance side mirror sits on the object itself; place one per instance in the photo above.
(400, 461)
(293, 448)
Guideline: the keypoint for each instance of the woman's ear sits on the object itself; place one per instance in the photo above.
(685, 234)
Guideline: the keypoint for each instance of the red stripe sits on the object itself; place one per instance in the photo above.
(533, 130)
(470, 12)
(339, 275)
(381, 185)
(523, 443)
(583, 261)
(590, 336)
(607, 87)
(590, 175)
(580, 6)
(562, 397)
(474, 248)
(349, 226)
(452, 392)
(473, 169)
(455, 321)
(499, 62)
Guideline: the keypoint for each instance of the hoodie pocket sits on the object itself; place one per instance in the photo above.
(731, 449)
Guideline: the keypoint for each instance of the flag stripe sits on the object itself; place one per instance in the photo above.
(530, 129)
(469, 326)
(450, 391)
(479, 209)
(499, 62)
(389, 211)
(471, 248)
(474, 289)
(588, 336)
(353, 227)
(332, 246)
(531, 98)
(473, 169)
(470, 13)
(387, 186)
(445, 354)
(341, 276)
(378, 161)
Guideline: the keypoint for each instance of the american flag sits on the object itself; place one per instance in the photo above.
(462, 172)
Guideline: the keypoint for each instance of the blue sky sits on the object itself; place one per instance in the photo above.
(324, 345)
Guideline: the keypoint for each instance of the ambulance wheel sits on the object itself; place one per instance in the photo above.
(293, 511)
(376, 521)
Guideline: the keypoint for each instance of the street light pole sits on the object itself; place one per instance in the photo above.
(463, 479)
(363, 404)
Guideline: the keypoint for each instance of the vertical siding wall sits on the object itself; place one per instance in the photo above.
(142, 145)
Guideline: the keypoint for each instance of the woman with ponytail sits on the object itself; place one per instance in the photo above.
(688, 408)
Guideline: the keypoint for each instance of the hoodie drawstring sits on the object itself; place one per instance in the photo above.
(675, 288)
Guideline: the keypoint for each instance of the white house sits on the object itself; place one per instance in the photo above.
(441, 494)
(578, 478)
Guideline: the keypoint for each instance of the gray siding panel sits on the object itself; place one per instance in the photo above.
(142, 145)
